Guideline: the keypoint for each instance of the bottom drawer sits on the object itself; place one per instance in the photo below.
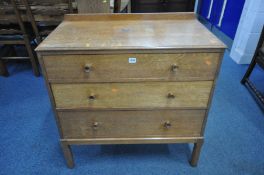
(131, 124)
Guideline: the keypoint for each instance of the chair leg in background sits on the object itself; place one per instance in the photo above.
(249, 71)
(33, 58)
(3, 69)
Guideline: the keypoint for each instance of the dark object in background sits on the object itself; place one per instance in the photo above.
(13, 33)
(117, 6)
(258, 59)
(3, 69)
(151, 6)
(45, 16)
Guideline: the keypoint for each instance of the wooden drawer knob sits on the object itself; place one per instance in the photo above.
(87, 68)
(167, 124)
(91, 97)
(171, 95)
(174, 67)
(95, 125)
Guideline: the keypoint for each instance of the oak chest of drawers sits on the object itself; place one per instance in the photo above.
(130, 79)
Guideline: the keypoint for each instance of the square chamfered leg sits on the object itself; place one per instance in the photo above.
(66, 148)
(196, 153)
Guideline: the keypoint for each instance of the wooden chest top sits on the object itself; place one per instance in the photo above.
(130, 32)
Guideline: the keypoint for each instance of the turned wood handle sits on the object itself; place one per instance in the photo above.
(91, 97)
(171, 95)
(95, 125)
(167, 124)
(87, 68)
(174, 67)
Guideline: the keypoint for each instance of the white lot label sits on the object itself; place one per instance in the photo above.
(132, 60)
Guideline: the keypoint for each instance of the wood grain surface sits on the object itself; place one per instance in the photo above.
(127, 33)
(132, 140)
(132, 95)
(133, 124)
(117, 68)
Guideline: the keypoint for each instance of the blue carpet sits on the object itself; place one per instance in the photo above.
(234, 141)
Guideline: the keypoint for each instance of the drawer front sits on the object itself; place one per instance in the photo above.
(133, 95)
(131, 124)
(124, 68)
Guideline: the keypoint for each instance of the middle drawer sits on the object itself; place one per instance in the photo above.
(132, 95)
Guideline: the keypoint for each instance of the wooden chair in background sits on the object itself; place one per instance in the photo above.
(46, 15)
(258, 59)
(12, 33)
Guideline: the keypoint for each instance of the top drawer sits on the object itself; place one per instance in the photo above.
(131, 67)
